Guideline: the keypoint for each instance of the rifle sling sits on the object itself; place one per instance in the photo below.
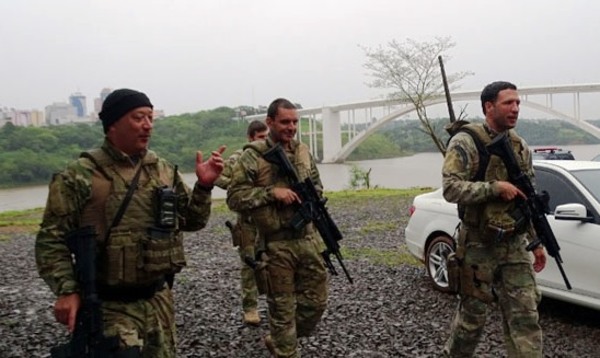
(126, 200)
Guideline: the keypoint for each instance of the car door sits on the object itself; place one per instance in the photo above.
(579, 241)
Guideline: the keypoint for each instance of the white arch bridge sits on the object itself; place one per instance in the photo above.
(361, 119)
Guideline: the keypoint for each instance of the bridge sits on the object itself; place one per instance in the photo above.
(361, 119)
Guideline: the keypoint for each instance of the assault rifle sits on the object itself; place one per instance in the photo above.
(310, 209)
(88, 339)
(535, 207)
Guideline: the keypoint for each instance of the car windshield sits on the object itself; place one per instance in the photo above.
(590, 179)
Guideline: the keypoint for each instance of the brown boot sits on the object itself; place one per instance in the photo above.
(270, 345)
(252, 318)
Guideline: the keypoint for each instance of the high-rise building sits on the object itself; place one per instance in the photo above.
(78, 101)
(60, 113)
(98, 101)
(38, 118)
(104, 93)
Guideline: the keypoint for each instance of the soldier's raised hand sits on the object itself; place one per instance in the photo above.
(209, 170)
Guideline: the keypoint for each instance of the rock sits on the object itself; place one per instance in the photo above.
(387, 312)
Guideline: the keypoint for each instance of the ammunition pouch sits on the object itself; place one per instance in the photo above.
(163, 252)
(134, 258)
(272, 218)
(475, 282)
(248, 235)
(243, 234)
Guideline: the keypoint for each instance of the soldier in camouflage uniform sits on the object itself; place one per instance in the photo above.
(494, 265)
(293, 269)
(244, 232)
(138, 256)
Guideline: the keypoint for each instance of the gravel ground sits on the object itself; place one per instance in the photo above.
(389, 311)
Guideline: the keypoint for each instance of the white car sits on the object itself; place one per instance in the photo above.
(574, 188)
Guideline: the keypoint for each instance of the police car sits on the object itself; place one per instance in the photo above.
(551, 153)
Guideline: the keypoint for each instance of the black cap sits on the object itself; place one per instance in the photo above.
(119, 102)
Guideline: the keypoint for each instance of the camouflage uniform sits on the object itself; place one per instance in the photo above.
(495, 267)
(246, 233)
(131, 261)
(297, 280)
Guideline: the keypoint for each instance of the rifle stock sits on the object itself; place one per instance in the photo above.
(311, 209)
(535, 207)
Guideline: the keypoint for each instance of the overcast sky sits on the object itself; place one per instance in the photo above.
(190, 55)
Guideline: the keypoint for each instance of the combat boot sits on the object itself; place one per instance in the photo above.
(251, 317)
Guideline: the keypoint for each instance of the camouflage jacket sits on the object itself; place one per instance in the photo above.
(253, 180)
(225, 177)
(461, 164)
(69, 193)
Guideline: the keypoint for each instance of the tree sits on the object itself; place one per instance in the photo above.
(411, 70)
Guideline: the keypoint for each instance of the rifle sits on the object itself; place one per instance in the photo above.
(88, 339)
(447, 91)
(310, 209)
(535, 207)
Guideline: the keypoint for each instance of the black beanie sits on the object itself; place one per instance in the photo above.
(119, 102)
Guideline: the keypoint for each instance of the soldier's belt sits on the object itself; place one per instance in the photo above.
(290, 234)
(130, 294)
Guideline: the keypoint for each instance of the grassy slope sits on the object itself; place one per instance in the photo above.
(27, 221)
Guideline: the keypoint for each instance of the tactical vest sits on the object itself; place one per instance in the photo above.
(276, 217)
(135, 252)
(497, 214)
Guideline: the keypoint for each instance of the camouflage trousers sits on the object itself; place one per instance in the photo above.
(497, 273)
(148, 324)
(297, 293)
(248, 281)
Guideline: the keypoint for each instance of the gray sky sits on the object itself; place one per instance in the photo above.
(189, 55)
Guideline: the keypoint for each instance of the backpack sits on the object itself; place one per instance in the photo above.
(469, 128)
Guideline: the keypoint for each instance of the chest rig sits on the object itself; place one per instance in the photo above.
(135, 251)
(276, 217)
(498, 215)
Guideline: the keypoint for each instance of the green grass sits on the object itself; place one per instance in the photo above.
(375, 193)
(219, 206)
(23, 216)
(381, 257)
(28, 220)
(24, 221)
(378, 226)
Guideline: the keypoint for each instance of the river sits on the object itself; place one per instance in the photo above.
(419, 170)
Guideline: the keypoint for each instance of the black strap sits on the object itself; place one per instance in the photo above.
(126, 200)
(484, 155)
(484, 159)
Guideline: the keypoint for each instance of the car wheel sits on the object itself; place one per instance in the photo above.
(436, 261)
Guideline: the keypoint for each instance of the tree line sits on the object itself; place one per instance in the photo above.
(30, 155)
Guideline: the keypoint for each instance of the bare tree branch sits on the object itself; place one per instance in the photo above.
(410, 71)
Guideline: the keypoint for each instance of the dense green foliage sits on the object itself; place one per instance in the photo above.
(30, 155)
(410, 137)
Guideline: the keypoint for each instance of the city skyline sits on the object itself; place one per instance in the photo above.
(189, 56)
